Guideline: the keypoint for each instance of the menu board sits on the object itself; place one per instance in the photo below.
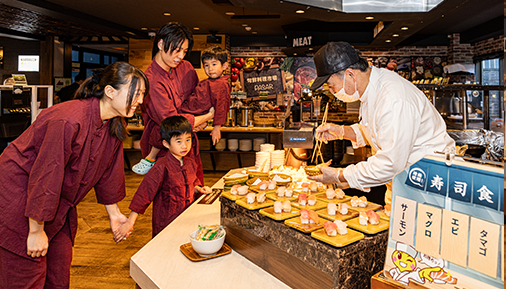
(266, 80)
(447, 226)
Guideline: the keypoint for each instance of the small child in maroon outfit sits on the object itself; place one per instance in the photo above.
(171, 183)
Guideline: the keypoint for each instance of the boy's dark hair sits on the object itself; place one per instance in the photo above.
(215, 52)
(174, 126)
(173, 34)
(80, 76)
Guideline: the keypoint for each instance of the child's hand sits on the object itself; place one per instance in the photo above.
(206, 190)
(122, 233)
(216, 134)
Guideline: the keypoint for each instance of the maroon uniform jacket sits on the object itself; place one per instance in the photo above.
(170, 186)
(167, 92)
(51, 167)
(210, 93)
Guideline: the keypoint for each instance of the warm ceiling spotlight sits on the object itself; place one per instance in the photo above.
(443, 15)
(247, 28)
(310, 48)
(300, 11)
(369, 17)
(388, 40)
(254, 32)
(166, 14)
(196, 28)
(244, 25)
(404, 28)
(230, 13)
(144, 28)
(294, 53)
(395, 35)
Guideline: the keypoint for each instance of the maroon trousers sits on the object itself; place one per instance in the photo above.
(52, 272)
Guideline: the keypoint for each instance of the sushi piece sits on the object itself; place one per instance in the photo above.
(287, 206)
(243, 190)
(331, 209)
(260, 198)
(387, 209)
(250, 198)
(304, 216)
(330, 193)
(330, 228)
(281, 191)
(288, 193)
(313, 187)
(311, 200)
(263, 185)
(233, 190)
(362, 219)
(305, 187)
(278, 207)
(341, 227)
(354, 201)
(343, 208)
(313, 217)
(302, 199)
(362, 202)
(272, 185)
(373, 217)
(339, 194)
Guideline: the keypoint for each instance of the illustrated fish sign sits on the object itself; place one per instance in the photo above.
(447, 226)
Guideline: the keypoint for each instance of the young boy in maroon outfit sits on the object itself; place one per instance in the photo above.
(171, 182)
(211, 92)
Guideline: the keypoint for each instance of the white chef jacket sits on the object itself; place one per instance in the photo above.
(401, 126)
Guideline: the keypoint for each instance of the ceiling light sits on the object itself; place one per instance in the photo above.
(295, 53)
(244, 25)
(196, 28)
(247, 28)
(388, 40)
(131, 33)
(144, 28)
(310, 48)
(404, 28)
(229, 13)
(166, 14)
(395, 35)
(254, 32)
(443, 15)
(369, 17)
(300, 11)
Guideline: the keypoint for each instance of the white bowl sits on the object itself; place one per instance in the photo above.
(206, 248)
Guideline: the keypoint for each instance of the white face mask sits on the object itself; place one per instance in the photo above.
(343, 96)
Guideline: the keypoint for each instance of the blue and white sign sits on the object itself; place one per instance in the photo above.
(486, 191)
(438, 180)
(417, 177)
(461, 182)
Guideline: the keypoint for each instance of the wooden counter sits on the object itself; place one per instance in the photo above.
(160, 263)
(132, 127)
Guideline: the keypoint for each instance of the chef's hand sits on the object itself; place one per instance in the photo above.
(37, 244)
(330, 176)
(329, 131)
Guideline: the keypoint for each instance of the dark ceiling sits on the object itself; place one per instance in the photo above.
(272, 22)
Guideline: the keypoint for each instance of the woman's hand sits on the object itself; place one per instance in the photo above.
(125, 230)
(329, 131)
(116, 217)
(37, 242)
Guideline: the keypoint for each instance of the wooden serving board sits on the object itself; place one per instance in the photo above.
(305, 228)
(368, 229)
(254, 206)
(274, 197)
(338, 216)
(370, 206)
(269, 212)
(319, 205)
(188, 251)
(229, 196)
(252, 180)
(339, 240)
(256, 189)
(383, 215)
(334, 200)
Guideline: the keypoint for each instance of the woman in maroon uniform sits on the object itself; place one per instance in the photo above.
(71, 148)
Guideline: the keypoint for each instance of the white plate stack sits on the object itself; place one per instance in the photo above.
(257, 142)
(277, 158)
(233, 144)
(266, 147)
(263, 159)
(221, 144)
(245, 145)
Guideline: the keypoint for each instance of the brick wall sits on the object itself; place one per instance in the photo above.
(489, 46)
(257, 51)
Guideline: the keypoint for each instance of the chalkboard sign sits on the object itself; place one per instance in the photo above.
(269, 80)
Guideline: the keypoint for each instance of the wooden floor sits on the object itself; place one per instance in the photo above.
(98, 262)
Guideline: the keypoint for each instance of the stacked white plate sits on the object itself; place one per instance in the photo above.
(221, 145)
(277, 158)
(233, 144)
(257, 142)
(266, 147)
(245, 145)
(263, 159)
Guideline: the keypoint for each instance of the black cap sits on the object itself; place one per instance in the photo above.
(332, 58)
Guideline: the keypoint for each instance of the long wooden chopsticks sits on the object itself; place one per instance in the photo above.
(317, 151)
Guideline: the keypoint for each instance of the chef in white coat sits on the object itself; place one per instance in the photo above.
(396, 119)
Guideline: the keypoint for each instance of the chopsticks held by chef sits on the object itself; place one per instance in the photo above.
(71, 148)
(397, 120)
